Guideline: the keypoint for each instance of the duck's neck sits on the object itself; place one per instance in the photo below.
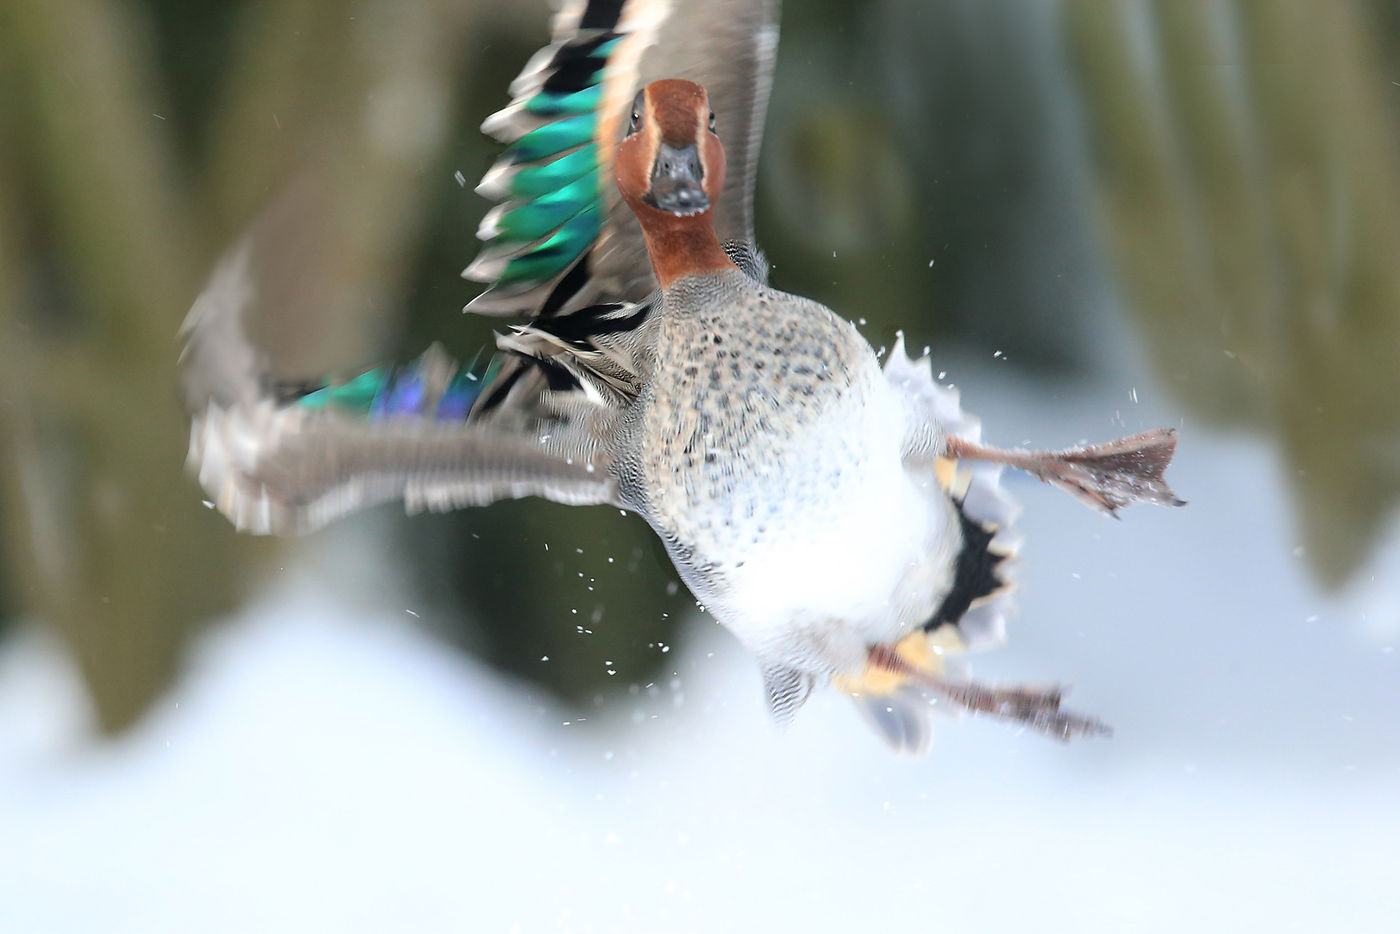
(683, 246)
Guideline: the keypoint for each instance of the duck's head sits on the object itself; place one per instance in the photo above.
(670, 161)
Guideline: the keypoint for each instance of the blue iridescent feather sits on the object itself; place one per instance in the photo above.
(431, 385)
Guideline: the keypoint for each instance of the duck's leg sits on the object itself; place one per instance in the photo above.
(1035, 708)
(1106, 476)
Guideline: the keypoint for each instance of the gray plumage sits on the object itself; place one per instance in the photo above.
(274, 468)
(763, 433)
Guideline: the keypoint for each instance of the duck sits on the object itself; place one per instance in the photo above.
(840, 517)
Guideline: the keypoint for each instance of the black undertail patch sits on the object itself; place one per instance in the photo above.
(976, 574)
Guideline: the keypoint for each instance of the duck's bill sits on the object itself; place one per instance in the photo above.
(677, 182)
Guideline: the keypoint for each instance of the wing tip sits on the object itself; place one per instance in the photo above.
(222, 449)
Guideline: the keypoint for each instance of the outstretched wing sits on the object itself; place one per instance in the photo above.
(561, 238)
(281, 460)
(562, 249)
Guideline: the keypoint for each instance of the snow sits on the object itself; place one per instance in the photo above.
(325, 764)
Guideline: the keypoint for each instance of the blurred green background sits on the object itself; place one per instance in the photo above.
(966, 171)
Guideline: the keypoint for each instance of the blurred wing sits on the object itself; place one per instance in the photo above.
(562, 238)
(277, 460)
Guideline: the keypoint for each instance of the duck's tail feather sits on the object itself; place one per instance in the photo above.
(981, 598)
(902, 718)
(973, 613)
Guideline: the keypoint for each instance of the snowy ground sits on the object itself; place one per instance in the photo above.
(326, 766)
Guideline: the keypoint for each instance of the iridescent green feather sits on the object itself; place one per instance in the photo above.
(356, 395)
(534, 181)
(548, 212)
(555, 254)
(549, 104)
(420, 388)
(553, 138)
(553, 212)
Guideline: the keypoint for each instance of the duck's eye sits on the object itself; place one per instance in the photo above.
(635, 122)
(712, 121)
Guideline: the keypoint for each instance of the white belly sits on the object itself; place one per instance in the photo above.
(861, 561)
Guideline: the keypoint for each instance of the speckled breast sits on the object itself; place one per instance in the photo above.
(771, 457)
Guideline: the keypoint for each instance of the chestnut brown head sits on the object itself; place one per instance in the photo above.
(671, 160)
